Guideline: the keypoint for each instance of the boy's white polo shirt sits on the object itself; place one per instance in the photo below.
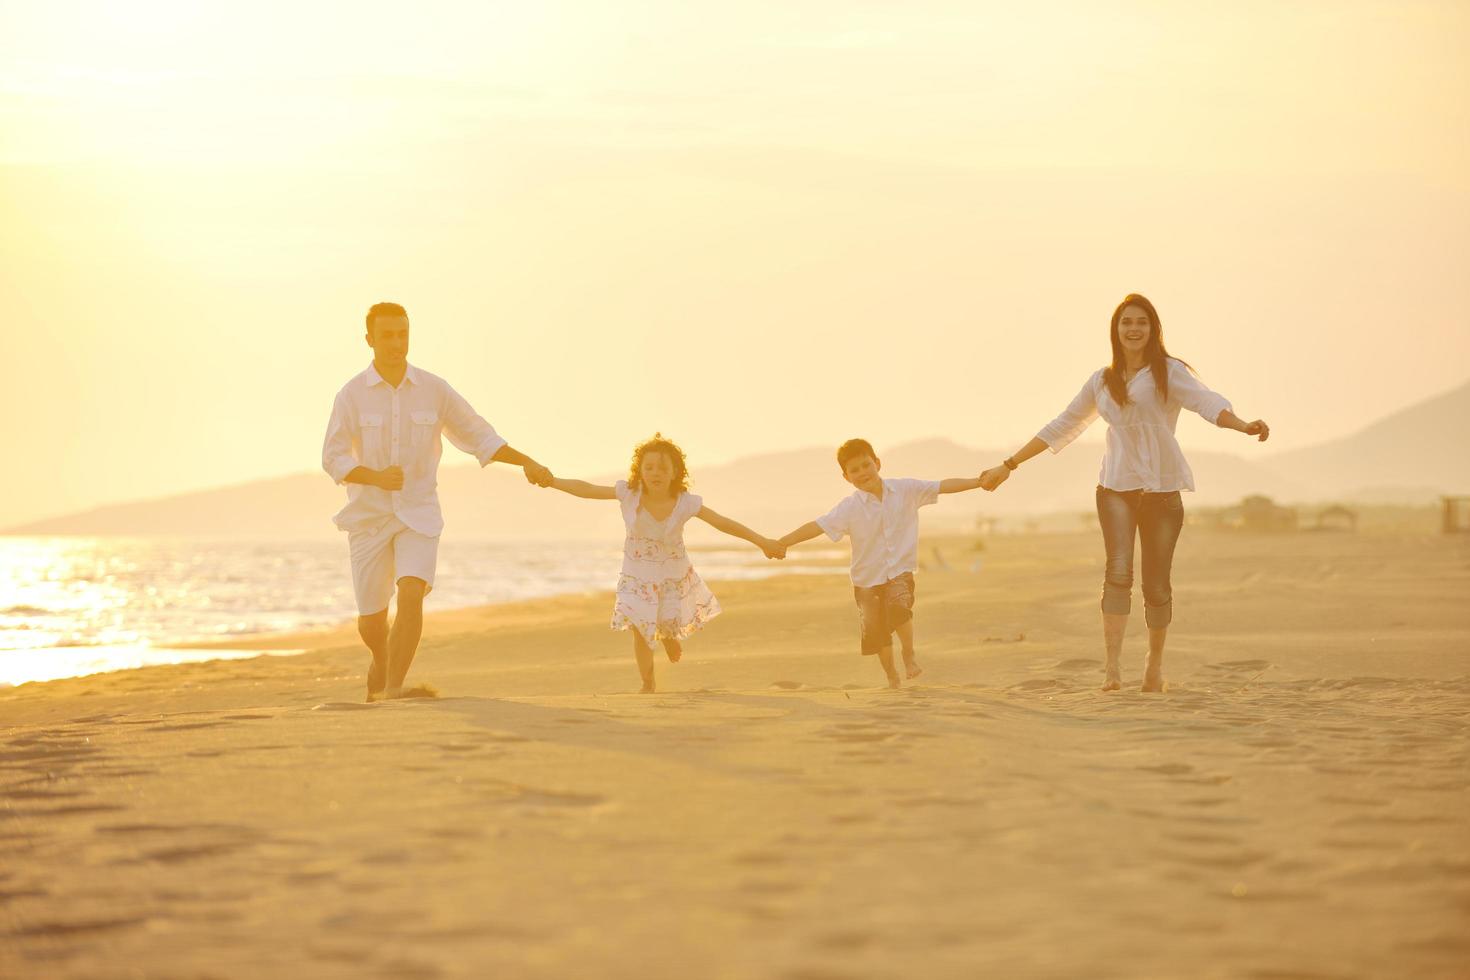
(885, 533)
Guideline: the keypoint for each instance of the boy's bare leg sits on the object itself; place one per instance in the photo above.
(644, 653)
(911, 666)
(885, 657)
(374, 632)
(403, 638)
(673, 648)
(1114, 626)
(1153, 670)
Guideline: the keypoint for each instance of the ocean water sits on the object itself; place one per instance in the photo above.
(72, 606)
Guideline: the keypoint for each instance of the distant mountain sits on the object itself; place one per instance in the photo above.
(773, 493)
(1407, 457)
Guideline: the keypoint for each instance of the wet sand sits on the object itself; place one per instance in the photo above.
(1297, 805)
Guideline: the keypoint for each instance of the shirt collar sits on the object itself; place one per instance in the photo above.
(865, 496)
(371, 377)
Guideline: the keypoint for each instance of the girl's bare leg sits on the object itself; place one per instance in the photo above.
(644, 655)
(1114, 626)
(1153, 670)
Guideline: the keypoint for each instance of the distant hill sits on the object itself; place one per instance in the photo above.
(773, 493)
(1407, 457)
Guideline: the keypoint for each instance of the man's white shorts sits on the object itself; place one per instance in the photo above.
(383, 556)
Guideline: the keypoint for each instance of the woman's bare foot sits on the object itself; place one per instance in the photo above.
(674, 649)
(911, 667)
(1153, 678)
(647, 688)
(1112, 677)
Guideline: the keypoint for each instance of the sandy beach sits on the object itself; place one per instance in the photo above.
(1298, 804)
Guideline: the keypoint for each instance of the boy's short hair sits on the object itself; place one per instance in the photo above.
(383, 309)
(852, 449)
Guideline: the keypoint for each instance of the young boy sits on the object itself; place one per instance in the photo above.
(883, 518)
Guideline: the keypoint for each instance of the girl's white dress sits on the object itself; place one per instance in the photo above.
(659, 593)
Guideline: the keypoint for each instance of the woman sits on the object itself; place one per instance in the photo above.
(1143, 471)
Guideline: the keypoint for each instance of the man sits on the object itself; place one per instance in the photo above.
(383, 443)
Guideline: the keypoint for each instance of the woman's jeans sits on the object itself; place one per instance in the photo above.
(1158, 518)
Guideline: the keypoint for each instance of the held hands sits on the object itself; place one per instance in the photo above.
(1259, 429)
(390, 479)
(772, 548)
(994, 477)
(538, 474)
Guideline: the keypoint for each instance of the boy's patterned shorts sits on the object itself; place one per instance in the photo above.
(882, 609)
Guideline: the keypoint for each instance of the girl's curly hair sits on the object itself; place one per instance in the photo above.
(658, 444)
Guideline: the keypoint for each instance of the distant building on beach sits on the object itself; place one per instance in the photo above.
(1337, 518)
(1258, 513)
(1456, 514)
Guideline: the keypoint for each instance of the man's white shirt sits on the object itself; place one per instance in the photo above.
(377, 426)
(885, 533)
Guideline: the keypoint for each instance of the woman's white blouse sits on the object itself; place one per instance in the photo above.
(1142, 453)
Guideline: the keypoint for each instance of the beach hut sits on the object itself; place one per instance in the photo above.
(1337, 518)
(1456, 514)
(1261, 513)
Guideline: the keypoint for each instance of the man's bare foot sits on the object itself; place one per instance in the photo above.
(399, 693)
(674, 649)
(911, 668)
(375, 681)
(1112, 677)
(893, 681)
(1153, 679)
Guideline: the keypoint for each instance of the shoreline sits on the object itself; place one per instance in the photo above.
(137, 656)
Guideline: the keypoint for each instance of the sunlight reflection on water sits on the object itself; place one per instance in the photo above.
(71, 606)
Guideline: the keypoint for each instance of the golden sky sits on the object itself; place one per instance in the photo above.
(754, 226)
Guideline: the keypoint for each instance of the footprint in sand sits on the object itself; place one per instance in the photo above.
(1240, 666)
(845, 940)
(1040, 684)
(39, 794)
(186, 726)
(515, 794)
(1078, 664)
(852, 818)
(71, 928)
(863, 736)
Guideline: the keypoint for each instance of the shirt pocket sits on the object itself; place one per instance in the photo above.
(421, 442)
(423, 428)
(370, 424)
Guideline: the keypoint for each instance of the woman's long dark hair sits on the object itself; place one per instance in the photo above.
(1155, 355)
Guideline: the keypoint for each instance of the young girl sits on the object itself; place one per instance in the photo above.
(660, 596)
